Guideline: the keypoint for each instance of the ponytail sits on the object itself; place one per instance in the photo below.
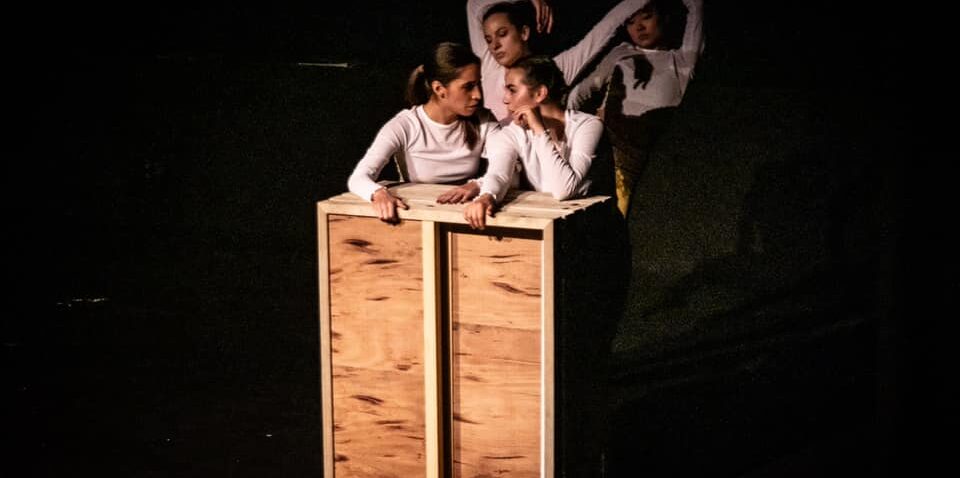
(418, 89)
(444, 64)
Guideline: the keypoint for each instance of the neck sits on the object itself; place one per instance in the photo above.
(438, 113)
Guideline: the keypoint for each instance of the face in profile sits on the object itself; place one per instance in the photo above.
(517, 94)
(462, 95)
(505, 41)
(644, 29)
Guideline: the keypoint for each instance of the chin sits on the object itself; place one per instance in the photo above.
(509, 60)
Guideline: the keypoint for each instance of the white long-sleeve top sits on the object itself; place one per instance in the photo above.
(570, 61)
(432, 152)
(559, 169)
(670, 74)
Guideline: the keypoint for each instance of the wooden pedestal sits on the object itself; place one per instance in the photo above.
(438, 343)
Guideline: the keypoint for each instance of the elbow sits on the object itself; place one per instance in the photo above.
(565, 188)
(564, 193)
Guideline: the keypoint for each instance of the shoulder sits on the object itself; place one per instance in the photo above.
(404, 119)
(580, 124)
(579, 119)
(403, 125)
(509, 134)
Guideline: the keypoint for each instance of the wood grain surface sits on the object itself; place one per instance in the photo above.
(376, 301)
(495, 355)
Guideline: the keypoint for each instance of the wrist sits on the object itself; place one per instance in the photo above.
(485, 198)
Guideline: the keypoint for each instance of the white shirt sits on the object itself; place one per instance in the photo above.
(670, 73)
(432, 152)
(570, 62)
(559, 169)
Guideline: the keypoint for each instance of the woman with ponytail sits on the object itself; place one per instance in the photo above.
(438, 139)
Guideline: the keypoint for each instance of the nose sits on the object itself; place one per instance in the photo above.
(495, 45)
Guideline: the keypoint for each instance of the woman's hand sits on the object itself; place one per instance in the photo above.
(460, 194)
(476, 213)
(529, 117)
(386, 204)
(544, 15)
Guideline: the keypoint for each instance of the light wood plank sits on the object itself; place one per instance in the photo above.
(326, 381)
(432, 365)
(547, 358)
(496, 357)
(376, 309)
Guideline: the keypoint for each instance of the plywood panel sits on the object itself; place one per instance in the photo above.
(495, 355)
(376, 304)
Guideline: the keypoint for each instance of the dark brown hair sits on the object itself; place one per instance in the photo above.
(672, 15)
(444, 64)
(519, 14)
(541, 70)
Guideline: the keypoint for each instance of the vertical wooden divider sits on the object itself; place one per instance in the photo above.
(326, 374)
(547, 355)
(432, 346)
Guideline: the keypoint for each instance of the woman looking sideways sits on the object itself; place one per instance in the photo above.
(438, 140)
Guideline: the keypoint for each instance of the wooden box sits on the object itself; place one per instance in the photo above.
(446, 351)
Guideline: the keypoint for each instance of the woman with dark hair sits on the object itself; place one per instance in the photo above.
(439, 139)
(501, 32)
(643, 75)
(555, 147)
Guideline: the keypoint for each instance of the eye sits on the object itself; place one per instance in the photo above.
(487, 38)
(502, 32)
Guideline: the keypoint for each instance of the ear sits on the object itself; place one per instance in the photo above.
(525, 33)
(540, 95)
(438, 89)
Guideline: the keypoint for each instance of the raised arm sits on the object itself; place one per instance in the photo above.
(693, 42)
(475, 11)
(572, 61)
(563, 178)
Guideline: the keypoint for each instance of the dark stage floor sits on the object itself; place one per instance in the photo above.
(162, 305)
